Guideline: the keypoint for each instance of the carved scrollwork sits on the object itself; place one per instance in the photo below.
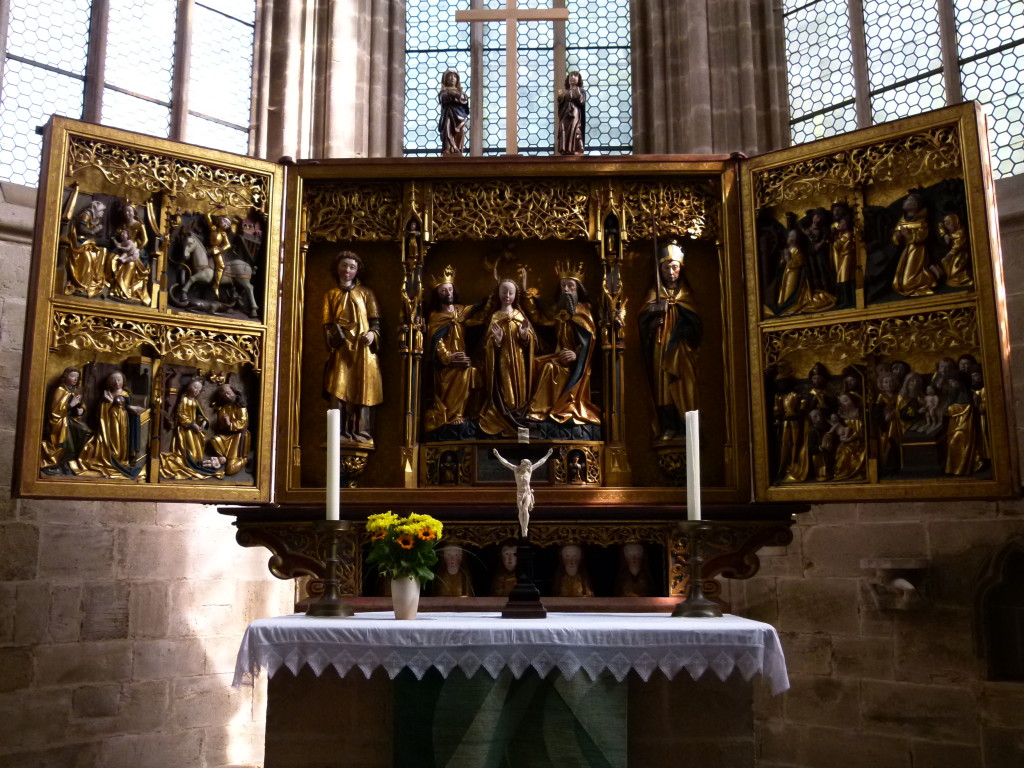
(853, 342)
(903, 157)
(346, 211)
(300, 549)
(517, 209)
(189, 181)
(114, 335)
(689, 209)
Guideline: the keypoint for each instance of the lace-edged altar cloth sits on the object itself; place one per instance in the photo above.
(569, 642)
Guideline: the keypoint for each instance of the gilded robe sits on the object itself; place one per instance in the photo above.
(957, 262)
(796, 294)
(66, 434)
(794, 462)
(507, 373)
(561, 391)
(131, 276)
(188, 447)
(232, 440)
(452, 384)
(352, 373)
(851, 453)
(913, 278)
(890, 427)
(670, 348)
(111, 450)
(964, 448)
(86, 261)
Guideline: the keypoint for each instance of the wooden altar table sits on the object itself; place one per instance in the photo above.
(356, 691)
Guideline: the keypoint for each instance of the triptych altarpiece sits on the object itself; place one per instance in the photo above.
(835, 314)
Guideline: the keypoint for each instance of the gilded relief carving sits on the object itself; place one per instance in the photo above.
(689, 209)
(536, 208)
(355, 210)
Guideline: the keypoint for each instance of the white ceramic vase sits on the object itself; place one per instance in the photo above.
(405, 594)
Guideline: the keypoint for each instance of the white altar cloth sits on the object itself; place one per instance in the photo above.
(569, 642)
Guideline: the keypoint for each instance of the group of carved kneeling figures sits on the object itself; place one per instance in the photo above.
(111, 444)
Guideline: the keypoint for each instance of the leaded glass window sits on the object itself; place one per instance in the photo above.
(915, 55)
(47, 67)
(596, 44)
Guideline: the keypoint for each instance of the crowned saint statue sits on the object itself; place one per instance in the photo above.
(454, 374)
(670, 334)
(561, 380)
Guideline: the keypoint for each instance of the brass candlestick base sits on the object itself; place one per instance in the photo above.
(524, 599)
(330, 604)
(696, 605)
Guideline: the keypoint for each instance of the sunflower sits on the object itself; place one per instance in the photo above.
(379, 535)
(426, 534)
(405, 541)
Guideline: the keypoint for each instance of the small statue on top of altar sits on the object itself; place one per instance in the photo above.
(670, 334)
(454, 114)
(914, 275)
(453, 371)
(571, 578)
(508, 354)
(504, 578)
(571, 116)
(452, 576)
(352, 380)
(634, 578)
(561, 380)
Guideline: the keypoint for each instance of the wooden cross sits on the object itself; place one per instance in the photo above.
(511, 14)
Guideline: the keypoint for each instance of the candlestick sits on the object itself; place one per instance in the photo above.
(692, 465)
(333, 464)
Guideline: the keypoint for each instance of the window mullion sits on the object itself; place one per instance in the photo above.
(950, 54)
(95, 67)
(861, 81)
(182, 64)
(561, 68)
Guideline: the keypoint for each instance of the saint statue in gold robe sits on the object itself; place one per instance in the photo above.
(128, 266)
(670, 334)
(957, 261)
(850, 445)
(187, 458)
(913, 274)
(86, 259)
(113, 449)
(796, 293)
(454, 374)
(231, 441)
(965, 450)
(561, 380)
(508, 352)
(352, 380)
(66, 433)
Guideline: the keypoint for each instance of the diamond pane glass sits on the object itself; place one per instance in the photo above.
(140, 48)
(28, 98)
(243, 10)
(435, 42)
(53, 33)
(821, 126)
(819, 57)
(902, 39)
(982, 26)
(207, 133)
(132, 114)
(998, 81)
(909, 99)
(220, 74)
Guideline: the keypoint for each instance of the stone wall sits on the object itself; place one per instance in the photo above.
(119, 622)
(892, 689)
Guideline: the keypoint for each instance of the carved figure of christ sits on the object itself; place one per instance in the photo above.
(511, 14)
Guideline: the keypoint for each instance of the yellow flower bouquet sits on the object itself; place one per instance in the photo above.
(404, 546)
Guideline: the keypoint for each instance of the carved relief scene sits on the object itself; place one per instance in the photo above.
(858, 228)
(526, 314)
(153, 350)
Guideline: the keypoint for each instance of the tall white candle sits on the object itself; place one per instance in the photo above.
(692, 465)
(333, 464)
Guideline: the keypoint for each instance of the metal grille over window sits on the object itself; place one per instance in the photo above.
(597, 44)
(43, 74)
(991, 54)
(821, 92)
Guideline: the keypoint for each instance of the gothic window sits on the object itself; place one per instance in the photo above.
(168, 68)
(856, 63)
(595, 42)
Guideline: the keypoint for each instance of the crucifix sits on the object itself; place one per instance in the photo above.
(511, 14)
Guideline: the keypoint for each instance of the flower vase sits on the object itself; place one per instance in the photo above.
(405, 594)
